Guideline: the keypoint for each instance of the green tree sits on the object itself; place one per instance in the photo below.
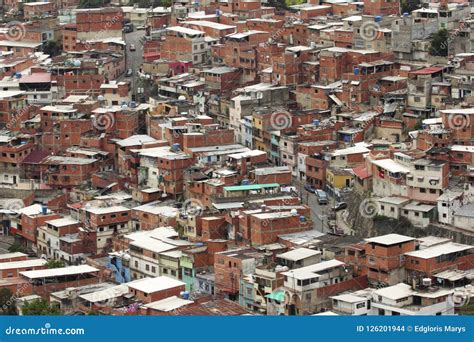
(150, 3)
(7, 302)
(52, 48)
(418, 125)
(16, 247)
(294, 2)
(55, 264)
(439, 43)
(409, 6)
(278, 4)
(92, 3)
(40, 307)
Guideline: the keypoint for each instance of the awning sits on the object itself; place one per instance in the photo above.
(231, 205)
(336, 100)
(278, 295)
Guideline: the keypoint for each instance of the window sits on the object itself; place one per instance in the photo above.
(401, 300)
(360, 305)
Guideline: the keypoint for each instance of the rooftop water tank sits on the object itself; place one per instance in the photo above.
(378, 19)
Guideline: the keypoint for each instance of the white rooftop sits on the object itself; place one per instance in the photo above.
(12, 255)
(168, 304)
(395, 292)
(438, 250)
(64, 221)
(150, 285)
(210, 24)
(462, 148)
(56, 272)
(156, 209)
(467, 111)
(391, 165)
(106, 294)
(298, 254)
(349, 298)
(390, 239)
(106, 210)
(136, 140)
(22, 264)
(151, 244)
(185, 30)
(311, 271)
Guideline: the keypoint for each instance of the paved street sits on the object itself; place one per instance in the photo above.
(134, 58)
(319, 213)
(5, 243)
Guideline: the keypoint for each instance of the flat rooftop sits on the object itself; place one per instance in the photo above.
(59, 272)
(390, 239)
(150, 285)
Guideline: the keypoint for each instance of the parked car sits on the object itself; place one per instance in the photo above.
(340, 206)
(128, 27)
(132, 47)
(309, 188)
(322, 196)
(129, 73)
